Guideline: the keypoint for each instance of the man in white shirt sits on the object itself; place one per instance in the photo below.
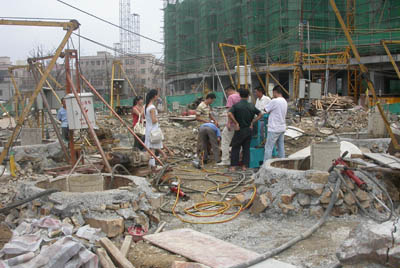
(277, 109)
(262, 100)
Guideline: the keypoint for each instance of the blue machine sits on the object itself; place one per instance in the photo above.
(258, 142)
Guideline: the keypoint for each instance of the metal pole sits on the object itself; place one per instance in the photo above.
(52, 120)
(308, 43)
(120, 119)
(213, 62)
(91, 129)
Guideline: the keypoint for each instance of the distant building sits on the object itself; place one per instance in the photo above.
(143, 70)
(5, 84)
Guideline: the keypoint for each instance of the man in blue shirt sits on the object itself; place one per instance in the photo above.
(62, 117)
(209, 134)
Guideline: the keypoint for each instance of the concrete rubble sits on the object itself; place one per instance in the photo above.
(372, 243)
(100, 208)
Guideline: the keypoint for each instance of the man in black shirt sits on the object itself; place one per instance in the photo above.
(242, 114)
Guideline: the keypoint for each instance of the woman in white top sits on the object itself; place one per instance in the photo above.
(152, 124)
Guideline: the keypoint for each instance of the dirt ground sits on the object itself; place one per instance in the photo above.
(259, 233)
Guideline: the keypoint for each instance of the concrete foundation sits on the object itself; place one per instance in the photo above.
(376, 125)
(31, 136)
(363, 140)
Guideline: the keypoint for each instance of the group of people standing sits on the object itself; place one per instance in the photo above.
(238, 132)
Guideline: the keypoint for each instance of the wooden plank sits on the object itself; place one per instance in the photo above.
(201, 248)
(104, 259)
(126, 245)
(385, 160)
(115, 254)
(160, 227)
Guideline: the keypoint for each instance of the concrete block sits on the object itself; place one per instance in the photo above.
(184, 264)
(271, 263)
(323, 153)
(31, 136)
(110, 225)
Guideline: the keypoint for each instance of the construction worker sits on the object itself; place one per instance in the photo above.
(262, 100)
(62, 117)
(242, 114)
(277, 109)
(228, 131)
(209, 134)
(203, 111)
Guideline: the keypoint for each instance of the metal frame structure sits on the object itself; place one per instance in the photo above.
(364, 71)
(69, 27)
(118, 63)
(384, 44)
(242, 49)
(129, 23)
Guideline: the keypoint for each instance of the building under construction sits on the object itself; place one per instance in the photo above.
(279, 36)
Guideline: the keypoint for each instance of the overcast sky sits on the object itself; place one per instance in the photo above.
(17, 42)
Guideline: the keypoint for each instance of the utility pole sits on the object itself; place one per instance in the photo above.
(213, 63)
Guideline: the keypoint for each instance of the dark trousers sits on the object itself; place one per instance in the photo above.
(207, 136)
(241, 140)
(65, 133)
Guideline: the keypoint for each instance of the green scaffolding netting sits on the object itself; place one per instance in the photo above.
(270, 29)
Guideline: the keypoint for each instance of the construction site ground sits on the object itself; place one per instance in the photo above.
(259, 232)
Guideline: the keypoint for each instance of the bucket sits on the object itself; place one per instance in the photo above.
(82, 183)
(322, 155)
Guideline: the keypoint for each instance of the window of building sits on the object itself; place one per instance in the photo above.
(98, 62)
(92, 62)
(142, 61)
(143, 71)
(1, 92)
(126, 62)
(132, 62)
(143, 81)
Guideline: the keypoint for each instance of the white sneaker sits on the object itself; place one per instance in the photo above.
(222, 163)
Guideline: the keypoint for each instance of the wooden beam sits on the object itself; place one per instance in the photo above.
(104, 259)
(126, 245)
(115, 254)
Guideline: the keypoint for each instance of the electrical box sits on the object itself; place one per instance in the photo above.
(242, 74)
(76, 120)
(315, 90)
(175, 106)
(309, 90)
(118, 85)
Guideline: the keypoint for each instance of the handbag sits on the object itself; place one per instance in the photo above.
(156, 135)
(139, 127)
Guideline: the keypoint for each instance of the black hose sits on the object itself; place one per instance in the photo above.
(113, 171)
(303, 236)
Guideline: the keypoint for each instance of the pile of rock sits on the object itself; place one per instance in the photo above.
(113, 211)
(290, 191)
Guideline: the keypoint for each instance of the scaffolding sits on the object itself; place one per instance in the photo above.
(272, 30)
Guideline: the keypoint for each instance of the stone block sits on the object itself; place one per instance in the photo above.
(260, 203)
(110, 225)
(313, 189)
(318, 176)
(317, 212)
(303, 199)
(362, 195)
(45, 210)
(286, 208)
(349, 199)
(287, 198)
(113, 207)
(325, 197)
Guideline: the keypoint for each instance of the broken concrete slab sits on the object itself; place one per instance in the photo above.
(201, 248)
(184, 264)
(372, 242)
